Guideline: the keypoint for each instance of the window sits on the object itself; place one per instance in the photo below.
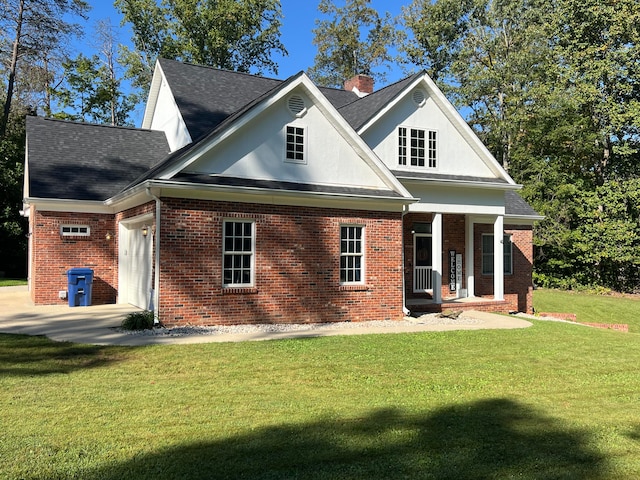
(238, 253)
(295, 144)
(75, 230)
(417, 146)
(487, 254)
(351, 254)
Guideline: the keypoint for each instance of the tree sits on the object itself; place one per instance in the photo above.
(33, 28)
(239, 35)
(490, 56)
(354, 40)
(92, 88)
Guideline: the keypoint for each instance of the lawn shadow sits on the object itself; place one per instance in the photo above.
(495, 438)
(26, 355)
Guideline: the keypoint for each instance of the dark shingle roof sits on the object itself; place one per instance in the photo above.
(81, 161)
(359, 112)
(440, 177)
(279, 185)
(207, 95)
(516, 205)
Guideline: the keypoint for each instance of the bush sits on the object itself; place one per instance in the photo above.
(138, 321)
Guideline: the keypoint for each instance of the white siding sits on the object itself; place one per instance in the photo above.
(167, 118)
(456, 155)
(258, 152)
(435, 198)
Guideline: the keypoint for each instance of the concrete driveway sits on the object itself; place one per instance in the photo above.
(99, 324)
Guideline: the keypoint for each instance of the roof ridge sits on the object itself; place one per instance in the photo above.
(415, 75)
(91, 124)
(219, 69)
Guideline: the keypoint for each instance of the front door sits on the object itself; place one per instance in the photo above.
(422, 263)
(135, 262)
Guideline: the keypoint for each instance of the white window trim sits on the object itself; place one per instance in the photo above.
(506, 238)
(253, 252)
(361, 254)
(75, 230)
(407, 165)
(304, 145)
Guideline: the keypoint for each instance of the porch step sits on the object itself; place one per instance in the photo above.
(494, 306)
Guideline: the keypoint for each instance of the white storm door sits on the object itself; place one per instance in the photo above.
(139, 265)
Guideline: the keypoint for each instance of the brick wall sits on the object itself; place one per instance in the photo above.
(297, 265)
(517, 286)
(53, 255)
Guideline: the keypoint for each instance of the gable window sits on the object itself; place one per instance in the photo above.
(75, 230)
(351, 254)
(238, 252)
(487, 254)
(417, 147)
(295, 144)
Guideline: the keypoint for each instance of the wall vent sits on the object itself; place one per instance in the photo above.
(418, 97)
(296, 105)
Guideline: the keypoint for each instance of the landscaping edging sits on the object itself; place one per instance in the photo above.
(571, 317)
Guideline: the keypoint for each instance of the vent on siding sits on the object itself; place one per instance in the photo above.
(418, 97)
(296, 105)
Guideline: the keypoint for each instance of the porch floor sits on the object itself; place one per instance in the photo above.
(427, 305)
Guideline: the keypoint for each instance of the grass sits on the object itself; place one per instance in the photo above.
(554, 401)
(8, 282)
(590, 307)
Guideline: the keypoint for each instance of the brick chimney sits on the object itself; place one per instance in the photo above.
(361, 85)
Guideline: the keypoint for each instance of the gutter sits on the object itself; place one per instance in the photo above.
(156, 277)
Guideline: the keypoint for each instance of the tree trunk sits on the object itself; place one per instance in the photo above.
(12, 70)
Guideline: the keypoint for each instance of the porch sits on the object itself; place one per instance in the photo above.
(419, 306)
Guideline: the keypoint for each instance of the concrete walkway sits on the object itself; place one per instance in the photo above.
(98, 324)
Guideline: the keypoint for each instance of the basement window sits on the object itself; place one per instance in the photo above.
(75, 230)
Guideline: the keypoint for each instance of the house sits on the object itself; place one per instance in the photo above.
(244, 199)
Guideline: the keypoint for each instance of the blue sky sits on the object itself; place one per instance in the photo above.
(299, 21)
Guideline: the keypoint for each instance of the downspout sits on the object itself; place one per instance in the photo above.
(405, 310)
(156, 277)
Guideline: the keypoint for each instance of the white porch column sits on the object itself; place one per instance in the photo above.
(469, 261)
(498, 258)
(436, 235)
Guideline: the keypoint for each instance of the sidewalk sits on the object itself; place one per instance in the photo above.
(98, 324)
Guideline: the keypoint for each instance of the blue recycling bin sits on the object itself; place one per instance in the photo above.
(80, 283)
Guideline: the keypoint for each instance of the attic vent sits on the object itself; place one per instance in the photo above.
(296, 105)
(418, 97)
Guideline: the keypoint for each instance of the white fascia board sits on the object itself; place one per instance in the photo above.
(454, 117)
(74, 206)
(461, 183)
(458, 209)
(522, 219)
(354, 139)
(152, 99)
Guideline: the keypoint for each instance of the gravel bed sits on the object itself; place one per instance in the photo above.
(429, 319)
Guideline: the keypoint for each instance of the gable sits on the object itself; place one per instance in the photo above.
(257, 150)
(421, 106)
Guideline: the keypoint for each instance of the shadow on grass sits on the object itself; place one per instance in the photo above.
(24, 355)
(496, 438)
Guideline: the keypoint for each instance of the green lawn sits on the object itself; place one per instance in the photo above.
(554, 401)
(9, 282)
(591, 308)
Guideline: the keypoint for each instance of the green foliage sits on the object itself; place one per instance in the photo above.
(13, 227)
(239, 35)
(553, 89)
(355, 39)
(138, 321)
(92, 93)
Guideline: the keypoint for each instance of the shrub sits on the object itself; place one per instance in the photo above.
(138, 321)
